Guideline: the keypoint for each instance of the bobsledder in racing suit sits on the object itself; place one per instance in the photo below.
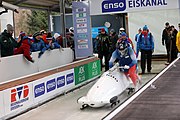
(126, 58)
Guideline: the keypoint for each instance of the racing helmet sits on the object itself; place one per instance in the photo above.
(121, 30)
(71, 29)
(122, 47)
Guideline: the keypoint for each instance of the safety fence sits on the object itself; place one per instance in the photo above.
(27, 92)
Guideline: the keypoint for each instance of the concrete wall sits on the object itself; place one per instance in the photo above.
(16, 66)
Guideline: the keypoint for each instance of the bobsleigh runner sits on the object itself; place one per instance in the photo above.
(106, 90)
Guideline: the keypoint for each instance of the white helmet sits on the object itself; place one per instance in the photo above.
(71, 29)
(121, 29)
(56, 35)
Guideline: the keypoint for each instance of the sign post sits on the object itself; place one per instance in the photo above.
(82, 29)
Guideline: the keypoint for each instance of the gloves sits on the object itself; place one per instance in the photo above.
(126, 67)
(40, 54)
(31, 61)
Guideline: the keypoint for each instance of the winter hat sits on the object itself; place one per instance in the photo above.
(166, 23)
(36, 34)
(56, 35)
(112, 30)
(22, 33)
(145, 27)
(123, 34)
(43, 32)
(102, 30)
(10, 27)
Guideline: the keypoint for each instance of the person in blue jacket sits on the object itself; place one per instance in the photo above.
(38, 44)
(145, 44)
(126, 58)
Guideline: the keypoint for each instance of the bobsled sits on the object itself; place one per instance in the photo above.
(107, 89)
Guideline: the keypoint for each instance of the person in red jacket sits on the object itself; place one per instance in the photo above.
(25, 49)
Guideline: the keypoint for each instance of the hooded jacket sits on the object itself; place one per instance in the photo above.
(7, 44)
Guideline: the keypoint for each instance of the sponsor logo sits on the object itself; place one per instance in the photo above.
(94, 69)
(81, 20)
(80, 15)
(70, 78)
(51, 85)
(81, 74)
(82, 46)
(81, 10)
(146, 3)
(113, 5)
(81, 30)
(19, 96)
(94, 65)
(82, 25)
(82, 36)
(39, 90)
(60, 81)
(81, 70)
(83, 41)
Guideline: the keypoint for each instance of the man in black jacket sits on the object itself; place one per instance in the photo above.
(166, 38)
(7, 42)
(103, 48)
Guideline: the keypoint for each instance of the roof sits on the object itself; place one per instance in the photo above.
(51, 5)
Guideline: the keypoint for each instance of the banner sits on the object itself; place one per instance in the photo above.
(48, 87)
(81, 74)
(1, 104)
(82, 29)
(94, 69)
(18, 98)
(126, 6)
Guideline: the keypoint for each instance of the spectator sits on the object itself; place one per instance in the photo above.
(70, 38)
(58, 38)
(178, 40)
(25, 49)
(55, 44)
(121, 30)
(7, 42)
(137, 35)
(145, 45)
(166, 38)
(38, 44)
(126, 59)
(44, 36)
(113, 40)
(173, 47)
(103, 48)
(22, 34)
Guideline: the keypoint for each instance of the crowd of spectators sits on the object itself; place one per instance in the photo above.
(26, 44)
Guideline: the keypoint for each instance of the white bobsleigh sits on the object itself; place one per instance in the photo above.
(107, 89)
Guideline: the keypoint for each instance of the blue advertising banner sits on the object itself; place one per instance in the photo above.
(96, 30)
(82, 29)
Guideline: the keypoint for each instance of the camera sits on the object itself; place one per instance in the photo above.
(9, 6)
